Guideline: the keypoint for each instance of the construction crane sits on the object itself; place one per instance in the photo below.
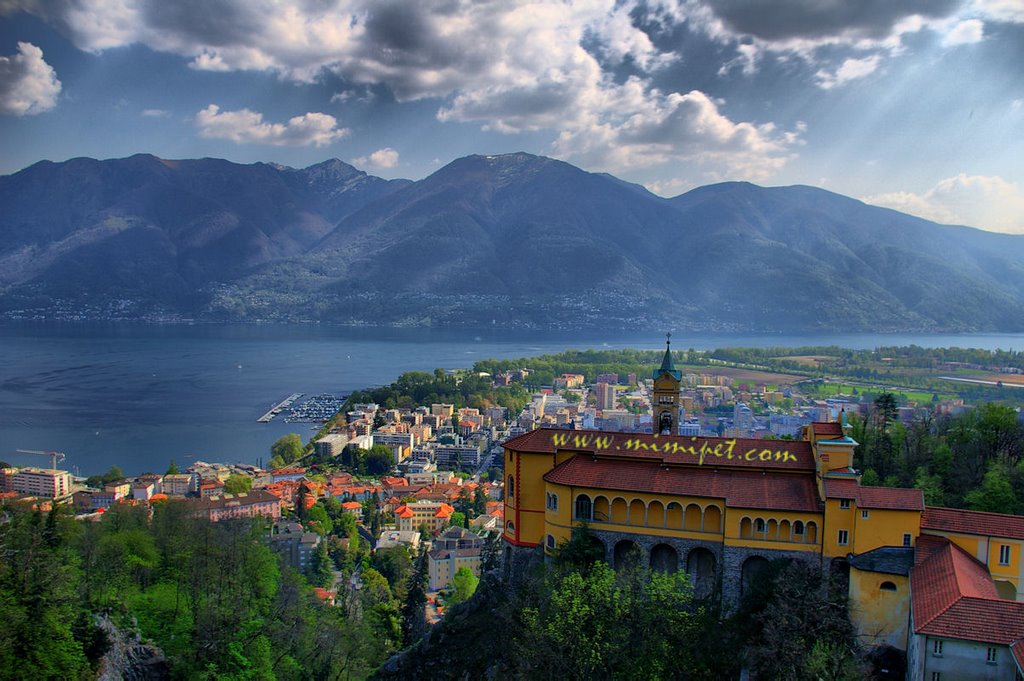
(55, 457)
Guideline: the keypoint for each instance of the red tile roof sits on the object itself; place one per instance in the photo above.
(832, 428)
(972, 522)
(675, 449)
(890, 498)
(739, 489)
(954, 597)
(841, 488)
(883, 498)
(1018, 653)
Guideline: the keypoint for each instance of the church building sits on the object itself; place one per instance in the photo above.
(722, 508)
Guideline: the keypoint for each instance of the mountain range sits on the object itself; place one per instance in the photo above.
(514, 240)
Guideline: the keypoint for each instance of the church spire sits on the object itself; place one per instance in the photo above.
(667, 366)
(666, 361)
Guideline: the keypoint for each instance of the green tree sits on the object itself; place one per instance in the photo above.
(458, 520)
(413, 614)
(39, 578)
(321, 566)
(319, 520)
(173, 469)
(995, 493)
(396, 566)
(286, 449)
(237, 484)
(464, 584)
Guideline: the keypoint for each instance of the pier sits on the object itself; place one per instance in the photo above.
(278, 408)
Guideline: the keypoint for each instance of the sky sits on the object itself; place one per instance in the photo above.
(916, 105)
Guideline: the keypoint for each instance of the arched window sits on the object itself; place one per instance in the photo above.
(887, 586)
(798, 530)
(510, 488)
(551, 541)
(584, 509)
(510, 526)
(759, 525)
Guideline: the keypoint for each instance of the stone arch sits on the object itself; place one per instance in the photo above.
(664, 558)
(626, 553)
(811, 532)
(700, 566)
(692, 518)
(674, 516)
(753, 568)
(637, 512)
(620, 511)
(583, 509)
(602, 510)
(712, 519)
(746, 529)
(785, 531)
(655, 514)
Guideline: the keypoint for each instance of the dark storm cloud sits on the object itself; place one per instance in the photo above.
(788, 19)
(213, 22)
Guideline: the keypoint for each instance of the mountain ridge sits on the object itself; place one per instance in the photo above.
(513, 239)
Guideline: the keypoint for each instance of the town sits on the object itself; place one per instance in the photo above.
(416, 503)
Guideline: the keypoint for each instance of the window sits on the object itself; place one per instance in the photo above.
(863, 515)
(936, 676)
(844, 537)
(510, 526)
(908, 539)
(759, 525)
(798, 528)
(844, 503)
(552, 501)
(887, 586)
(990, 656)
(551, 542)
(937, 648)
(510, 488)
(584, 510)
(1004, 554)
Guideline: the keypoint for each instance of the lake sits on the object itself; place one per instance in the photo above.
(137, 396)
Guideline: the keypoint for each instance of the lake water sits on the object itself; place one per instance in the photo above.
(138, 396)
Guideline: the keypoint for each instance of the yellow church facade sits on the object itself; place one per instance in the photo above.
(721, 508)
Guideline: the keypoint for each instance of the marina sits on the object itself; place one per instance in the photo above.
(317, 409)
(278, 408)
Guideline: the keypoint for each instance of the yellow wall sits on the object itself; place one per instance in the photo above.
(834, 457)
(526, 508)
(884, 528)
(836, 519)
(879, 615)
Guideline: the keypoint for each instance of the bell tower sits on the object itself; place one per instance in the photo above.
(665, 399)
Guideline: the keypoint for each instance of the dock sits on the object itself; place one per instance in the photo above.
(278, 408)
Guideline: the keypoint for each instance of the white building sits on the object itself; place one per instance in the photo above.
(42, 482)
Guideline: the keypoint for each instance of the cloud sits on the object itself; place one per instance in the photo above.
(247, 127)
(965, 33)
(661, 128)
(380, 159)
(784, 21)
(851, 69)
(156, 113)
(511, 66)
(28, 85)
(987, 202)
